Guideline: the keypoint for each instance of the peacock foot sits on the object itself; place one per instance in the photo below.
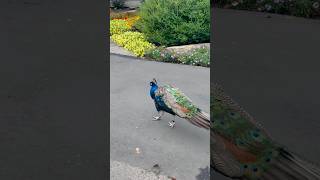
(156, 118)
(172, 124)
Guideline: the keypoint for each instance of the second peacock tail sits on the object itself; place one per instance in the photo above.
(242, 149)
(170, 99)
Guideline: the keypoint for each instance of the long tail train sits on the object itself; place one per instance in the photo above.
(201, 119)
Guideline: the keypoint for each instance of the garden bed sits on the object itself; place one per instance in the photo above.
(163, 35)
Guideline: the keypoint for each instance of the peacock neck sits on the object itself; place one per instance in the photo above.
(153, 90)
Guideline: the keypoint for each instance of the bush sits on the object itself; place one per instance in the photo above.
(302, 8)
(133, 41)
(118, 26)
(178, 22)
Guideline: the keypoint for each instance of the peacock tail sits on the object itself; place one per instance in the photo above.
(242, 149)
(176, 101)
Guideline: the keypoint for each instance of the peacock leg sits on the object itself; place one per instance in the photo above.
(155, 118)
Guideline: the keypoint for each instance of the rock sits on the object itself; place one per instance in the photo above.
(186, 48)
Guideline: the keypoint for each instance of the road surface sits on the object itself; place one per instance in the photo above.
(180, 152)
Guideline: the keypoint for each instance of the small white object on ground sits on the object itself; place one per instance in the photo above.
(156, 118)
(138, 150)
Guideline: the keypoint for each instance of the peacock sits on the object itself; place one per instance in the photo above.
(242, 149)
(171, 100)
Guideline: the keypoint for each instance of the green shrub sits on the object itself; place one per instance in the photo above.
(133, 41)
(118, 26)
(199, 57)
(155, 54)
(175, 22)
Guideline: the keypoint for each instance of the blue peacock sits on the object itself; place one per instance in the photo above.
(242, 149)
(171, 100)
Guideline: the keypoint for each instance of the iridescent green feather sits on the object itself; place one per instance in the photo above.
(182, 100)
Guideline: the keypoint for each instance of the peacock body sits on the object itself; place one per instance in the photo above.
(170, 99)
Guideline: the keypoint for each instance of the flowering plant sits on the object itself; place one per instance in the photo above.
(197, 57)
(118, 26)
(133, 41)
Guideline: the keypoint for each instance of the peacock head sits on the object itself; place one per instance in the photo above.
(153, 82)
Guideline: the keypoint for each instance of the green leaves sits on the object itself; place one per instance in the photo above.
(175, 22)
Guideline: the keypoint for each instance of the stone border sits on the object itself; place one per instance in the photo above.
(186, 48)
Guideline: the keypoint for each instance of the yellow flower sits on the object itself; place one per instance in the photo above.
(133, 41)
(118, 26)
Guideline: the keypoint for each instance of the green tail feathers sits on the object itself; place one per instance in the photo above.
(242, 149)
(184, 108)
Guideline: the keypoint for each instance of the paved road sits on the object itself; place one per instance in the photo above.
(271, 67)
(180, 152)
(123, 171)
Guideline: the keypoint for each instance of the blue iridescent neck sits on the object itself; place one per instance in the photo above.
(153, 89)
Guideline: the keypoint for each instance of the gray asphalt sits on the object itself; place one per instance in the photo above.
(123, 171)
(270, 66)
(182, 152)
